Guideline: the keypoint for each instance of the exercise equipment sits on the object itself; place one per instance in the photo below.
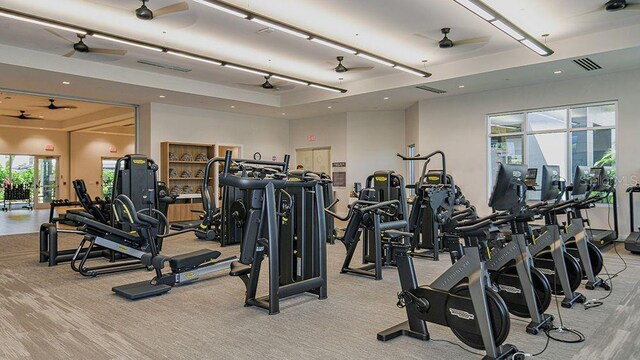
(264, 183)
(185, 268)
(632, 242)
(20, 193)
(471, 309)
(524, 289)
(596, 186)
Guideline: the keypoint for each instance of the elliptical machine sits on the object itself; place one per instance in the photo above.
(472, 310)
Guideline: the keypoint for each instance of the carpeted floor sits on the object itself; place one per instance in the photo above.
(55, 313)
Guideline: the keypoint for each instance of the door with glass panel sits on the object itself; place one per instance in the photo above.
(46, 181)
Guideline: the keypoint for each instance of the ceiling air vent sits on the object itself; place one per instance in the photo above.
(587, 64)
(433, 90)
(164, 66)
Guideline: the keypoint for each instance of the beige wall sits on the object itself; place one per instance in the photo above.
(366, 141)
(457, 125)
(87, 151)
(268, 136)
(32, 142)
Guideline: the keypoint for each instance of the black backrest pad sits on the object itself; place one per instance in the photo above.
(352, 227)
(84, 198)
(250, 238)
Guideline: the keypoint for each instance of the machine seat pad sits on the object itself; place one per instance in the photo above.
(192, 259)
(239, 269)
(393, 225)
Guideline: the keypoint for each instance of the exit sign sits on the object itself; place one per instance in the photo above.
(49, 147)
(113, 149)
(312, 138)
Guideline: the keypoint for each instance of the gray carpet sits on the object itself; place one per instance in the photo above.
(55, 313)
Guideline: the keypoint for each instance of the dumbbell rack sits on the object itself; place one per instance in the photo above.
(16, 193)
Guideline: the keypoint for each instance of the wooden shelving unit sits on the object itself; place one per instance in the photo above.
(186, 202)
(188, 187)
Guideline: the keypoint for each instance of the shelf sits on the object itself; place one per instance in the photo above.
(178, 179)
(187, 162)
(189, 196)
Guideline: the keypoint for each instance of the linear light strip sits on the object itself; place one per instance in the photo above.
(271, 23)
(42, 22)
(496, 19)
(100, 35)
(128, 42)
(228, 10)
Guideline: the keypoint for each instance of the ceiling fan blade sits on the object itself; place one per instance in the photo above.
(12, 116)
(70, 53)
(70, 107)
(476, 40)
(283, 87)
(426, 37)
(108, 51)
(252, 85)
(178, 7)
(58, 35)
(360, 68)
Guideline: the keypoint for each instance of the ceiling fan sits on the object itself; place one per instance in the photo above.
(614, 6)
(269, 86)
(446, 43)
(53, 106)
(80, 46)
(144, 13)
(342, 69)
(23, 116)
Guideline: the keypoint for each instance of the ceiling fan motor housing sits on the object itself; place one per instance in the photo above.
(144, 13)
(615, 5)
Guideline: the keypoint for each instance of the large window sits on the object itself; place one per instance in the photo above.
(108, 172)
(566, 136)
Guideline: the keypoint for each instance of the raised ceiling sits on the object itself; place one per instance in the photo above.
(405, 31)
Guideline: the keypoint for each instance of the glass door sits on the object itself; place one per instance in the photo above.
(46, 180)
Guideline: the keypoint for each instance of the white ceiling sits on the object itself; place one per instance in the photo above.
(383, 27)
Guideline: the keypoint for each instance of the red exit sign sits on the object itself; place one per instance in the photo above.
(113, 149)
(49, 147)
(312, 138)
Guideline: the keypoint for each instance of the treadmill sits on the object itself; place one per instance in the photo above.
(632, 242)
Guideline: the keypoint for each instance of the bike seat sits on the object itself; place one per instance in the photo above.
(192, 259)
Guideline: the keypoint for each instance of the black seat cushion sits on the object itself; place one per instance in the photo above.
(190, 260)
(239, 269)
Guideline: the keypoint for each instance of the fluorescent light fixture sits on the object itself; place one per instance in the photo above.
(126, 42)
(374, 59)
(43, 23)
(281, 28)
(461, 87)
(333, 45)
(228, 10)
(385, 98)
(289, 80)
(197, 58)
(558, 72)
(235, 67)
(324, 88)
(533, 46)
(65, 83)
(284, 113)
(476, 9)
(409, 71)
(508, 30)
(329, 107)
(162, 96)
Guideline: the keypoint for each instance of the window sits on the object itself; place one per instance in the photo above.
(108, 171)
(567, 136)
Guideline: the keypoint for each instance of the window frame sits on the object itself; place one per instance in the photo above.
(567, 130)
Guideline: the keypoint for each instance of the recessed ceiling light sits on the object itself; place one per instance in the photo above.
(41, 128)
(41, 117)
(284, 113)
(65, 83)
(558, 72)
(329, 107)
(233, 107)
(461, 86)
(162, 96)
(386, 98)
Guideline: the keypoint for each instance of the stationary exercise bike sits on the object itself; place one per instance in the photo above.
(472, 310)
